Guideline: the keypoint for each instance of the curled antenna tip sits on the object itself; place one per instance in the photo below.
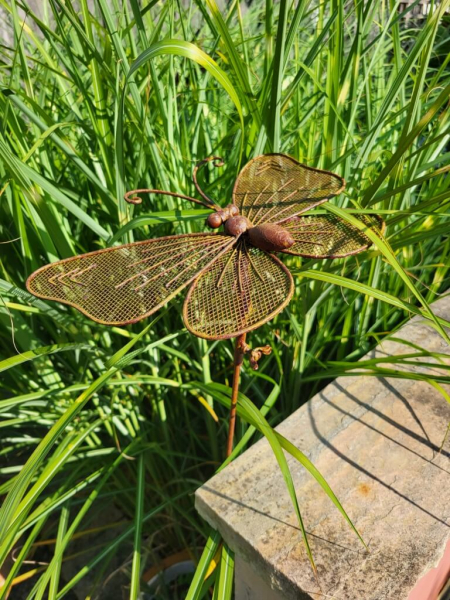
(132, 199)
(217, 161)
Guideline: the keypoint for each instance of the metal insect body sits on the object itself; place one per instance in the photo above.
(237, 282)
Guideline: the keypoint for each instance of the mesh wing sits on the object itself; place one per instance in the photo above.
(328, 236)
(274, 187)
(124, 284)
(243, 289)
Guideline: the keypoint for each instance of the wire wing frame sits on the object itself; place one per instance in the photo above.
(124, 284)
(329, 236)
(236, 287)
(275, 187)
(239, 292)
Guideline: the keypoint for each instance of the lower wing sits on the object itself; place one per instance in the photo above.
(124, 284)
(328, 236)
(240, 291)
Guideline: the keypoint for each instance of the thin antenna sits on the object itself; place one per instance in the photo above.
(131, 197)
(217, 162)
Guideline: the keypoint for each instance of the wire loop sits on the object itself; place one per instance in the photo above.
(217, 161)
(132, 198)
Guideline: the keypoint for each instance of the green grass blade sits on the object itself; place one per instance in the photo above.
(157, 218)
(256, 418)
(14, 497)
(56, 572)
(211, 546)
(362, 288)
(136, 566)
(19, 359)
(223, 588)
(390, 257)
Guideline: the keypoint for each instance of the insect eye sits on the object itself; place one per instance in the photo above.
(214, 220)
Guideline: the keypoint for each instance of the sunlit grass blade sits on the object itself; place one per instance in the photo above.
(136, 566)
(223, 588)
(242, 443)
(56, 572)
(211, 546)
(14, 497)
(365, 289)
(20, 558)
(383, 246)
(108, 96)
(178, 48)
(19, 359)
(404, 145)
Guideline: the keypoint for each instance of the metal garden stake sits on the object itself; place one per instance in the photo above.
(237, 280)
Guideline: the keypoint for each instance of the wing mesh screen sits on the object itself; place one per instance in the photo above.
(124, 284)
(328, 236)
(275, 187)
(243, 289)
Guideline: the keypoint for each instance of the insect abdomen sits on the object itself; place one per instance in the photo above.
(270, 237)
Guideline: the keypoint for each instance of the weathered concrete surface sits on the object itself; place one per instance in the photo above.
(377, 442)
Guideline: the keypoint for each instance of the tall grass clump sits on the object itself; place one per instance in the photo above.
(107, 432)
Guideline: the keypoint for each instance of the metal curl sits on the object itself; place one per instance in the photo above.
(131, 197)
(217, 161)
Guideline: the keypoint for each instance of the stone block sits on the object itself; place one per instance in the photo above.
(376, 441)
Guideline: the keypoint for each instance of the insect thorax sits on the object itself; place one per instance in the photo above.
(267, 236)
(218, 218)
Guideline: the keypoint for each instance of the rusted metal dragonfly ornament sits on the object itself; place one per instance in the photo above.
(238, 283)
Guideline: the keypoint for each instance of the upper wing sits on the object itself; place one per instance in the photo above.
(243, 289)
(328, 236)
(274, 187)
(124, 284)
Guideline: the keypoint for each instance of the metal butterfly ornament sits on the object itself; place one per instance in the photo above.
(237, 281)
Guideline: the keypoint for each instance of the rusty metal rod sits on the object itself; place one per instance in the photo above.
(217, 161)
(239, 351)
(132, 198)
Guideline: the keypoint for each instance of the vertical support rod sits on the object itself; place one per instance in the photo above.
(239, 351)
